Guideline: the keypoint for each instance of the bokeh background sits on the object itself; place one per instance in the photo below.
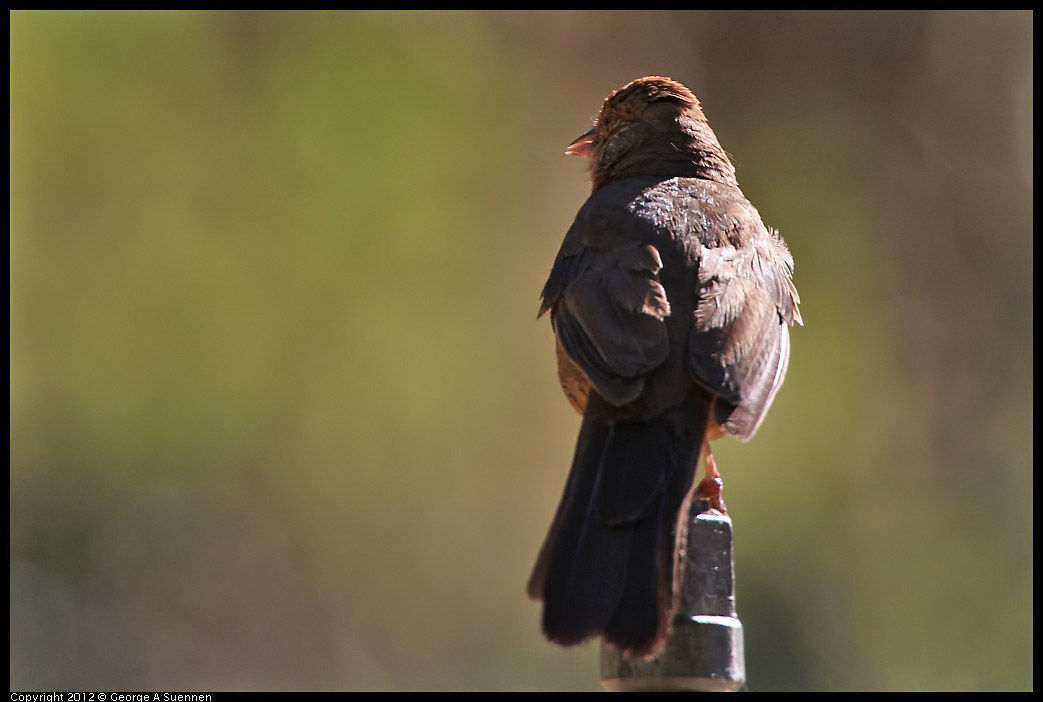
(282, 415)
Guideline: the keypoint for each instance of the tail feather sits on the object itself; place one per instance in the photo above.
(607, 564)
(574, 603)
(640, 616)
(590, 446)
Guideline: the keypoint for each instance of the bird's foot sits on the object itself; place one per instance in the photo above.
(710, 489)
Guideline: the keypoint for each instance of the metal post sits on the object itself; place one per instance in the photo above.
(705, 649)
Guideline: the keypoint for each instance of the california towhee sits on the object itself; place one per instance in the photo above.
(671, 304)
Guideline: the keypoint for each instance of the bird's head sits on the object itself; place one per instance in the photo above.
(652, 126)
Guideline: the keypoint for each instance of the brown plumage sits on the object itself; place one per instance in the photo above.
(671, 304)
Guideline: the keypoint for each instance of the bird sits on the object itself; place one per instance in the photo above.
(671, 303)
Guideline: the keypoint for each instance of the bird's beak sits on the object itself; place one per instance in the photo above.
(584, 145)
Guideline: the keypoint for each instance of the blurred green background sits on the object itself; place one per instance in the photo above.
(282, 415)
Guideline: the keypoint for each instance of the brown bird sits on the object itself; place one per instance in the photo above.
(671, 304)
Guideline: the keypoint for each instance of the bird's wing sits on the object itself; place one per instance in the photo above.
(739, 343)
(607, 304)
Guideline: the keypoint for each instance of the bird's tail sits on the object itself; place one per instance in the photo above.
(607, 565)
